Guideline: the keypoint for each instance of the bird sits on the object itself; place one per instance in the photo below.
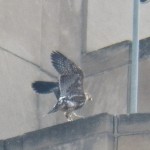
(69, 90)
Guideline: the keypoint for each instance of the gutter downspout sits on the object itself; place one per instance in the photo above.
(135, 59)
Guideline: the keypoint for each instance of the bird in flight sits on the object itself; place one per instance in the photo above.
(68, 90)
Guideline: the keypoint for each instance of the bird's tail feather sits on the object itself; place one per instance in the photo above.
(44, 87)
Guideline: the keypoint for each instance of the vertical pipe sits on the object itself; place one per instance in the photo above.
(135, 58)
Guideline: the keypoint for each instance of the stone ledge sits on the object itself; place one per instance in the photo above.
(112, 56)
(106, 58)
(101, 124)
(144, 48)
(70, 131)
(89, 133)
(134, 123)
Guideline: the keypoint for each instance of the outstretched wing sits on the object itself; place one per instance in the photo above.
(71, 85)
(64, 65)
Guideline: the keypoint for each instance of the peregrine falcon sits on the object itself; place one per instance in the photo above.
(68, 90)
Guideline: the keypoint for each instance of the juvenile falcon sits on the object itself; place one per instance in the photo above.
(68, 90)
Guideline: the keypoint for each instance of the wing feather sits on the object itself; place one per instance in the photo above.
(71, 85)
(64, 65)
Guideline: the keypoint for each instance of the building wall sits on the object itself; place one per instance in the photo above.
(111, 22)
(32, 29)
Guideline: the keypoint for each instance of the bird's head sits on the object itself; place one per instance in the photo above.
(88, 97)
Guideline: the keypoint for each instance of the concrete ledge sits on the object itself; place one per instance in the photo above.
(96, 129)
(144, 48)
(112, 56)
(95, 142)
(134, 123)
(106, 58)
(70, 131)
(92, 133)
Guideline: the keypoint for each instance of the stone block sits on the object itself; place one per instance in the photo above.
(14, 143)
(70, 131)
(134, 142)
(134, 123)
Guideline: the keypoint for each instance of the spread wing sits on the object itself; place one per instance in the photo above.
(71, 85)
(64, 65)
(71, 76)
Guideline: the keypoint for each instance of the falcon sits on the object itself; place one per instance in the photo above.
(69, 89)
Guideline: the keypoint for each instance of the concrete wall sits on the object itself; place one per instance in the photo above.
(103, 131)
(108, 78)
(111, 22)
(32, 29)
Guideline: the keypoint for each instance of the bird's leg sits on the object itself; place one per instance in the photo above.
(72, 116)
(75, 116)
(68, 115)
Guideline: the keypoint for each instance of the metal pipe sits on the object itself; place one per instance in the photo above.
(135, 58)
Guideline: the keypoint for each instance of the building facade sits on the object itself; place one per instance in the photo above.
(95, 34)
